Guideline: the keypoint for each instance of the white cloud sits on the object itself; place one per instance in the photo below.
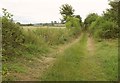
(48, 10)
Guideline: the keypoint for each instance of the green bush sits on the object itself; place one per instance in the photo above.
(92, 17)
(94, 26)
(105, 26)
(73, 24)
(108, 30)
(68, 24)
(12, 37)
(104, 29)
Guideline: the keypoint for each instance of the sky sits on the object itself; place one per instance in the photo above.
(45, 11)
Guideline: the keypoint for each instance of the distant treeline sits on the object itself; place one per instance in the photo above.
(43, 24)
(27, 24)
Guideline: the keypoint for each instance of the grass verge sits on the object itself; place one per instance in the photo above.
(107, 54)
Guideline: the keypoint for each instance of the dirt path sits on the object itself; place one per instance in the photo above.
(90, 67)
(38, 66)
(90, 46)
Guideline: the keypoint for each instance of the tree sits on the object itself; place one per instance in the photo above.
(90, 18)
(105, 26)
(66, 10)
(71, 21)
(112, 13)
(80, 19)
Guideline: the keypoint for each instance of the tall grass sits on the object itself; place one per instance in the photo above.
(40, 40)
(107, 53)
(54, 36)
(48, 36)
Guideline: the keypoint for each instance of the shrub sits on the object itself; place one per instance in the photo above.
(89, 19)
(73, 24)
(104, 28)
(12, 37)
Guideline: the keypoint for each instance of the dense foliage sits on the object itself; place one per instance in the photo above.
(90, 18)
(104, 29)
(12, 37)
(73, 24)
(105, 26)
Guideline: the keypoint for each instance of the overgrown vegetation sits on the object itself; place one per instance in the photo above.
(105, 26)
(41, 39)
(13, 38)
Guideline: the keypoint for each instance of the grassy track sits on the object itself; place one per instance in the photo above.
(82, 59)
(85, 61)
(68, 64)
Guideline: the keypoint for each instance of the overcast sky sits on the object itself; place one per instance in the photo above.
(36, 11)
